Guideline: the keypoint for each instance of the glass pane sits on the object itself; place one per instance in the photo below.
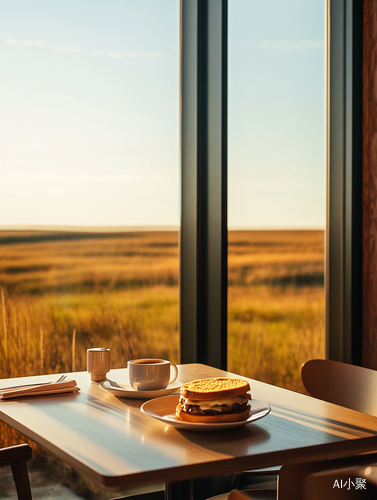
(89, 182)
(276, 187)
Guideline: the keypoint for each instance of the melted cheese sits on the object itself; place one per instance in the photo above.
(211, 405)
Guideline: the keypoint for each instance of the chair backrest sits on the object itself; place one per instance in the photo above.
(338, 484)
(351, 478)
(346, 385)
(333, 479)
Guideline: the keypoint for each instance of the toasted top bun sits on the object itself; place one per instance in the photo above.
(207, 389)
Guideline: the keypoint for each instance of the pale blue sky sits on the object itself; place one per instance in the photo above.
(277, 113)
(89, 113)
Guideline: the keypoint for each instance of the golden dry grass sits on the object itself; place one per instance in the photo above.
(276, 258)
(40, 329)
(37, 262)
(276, 304)
(270, 335)
(122, 290)
(61, 293)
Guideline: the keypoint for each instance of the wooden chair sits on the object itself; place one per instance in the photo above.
(16, 457)
(316, 479)
(353, 483)
(313, 480)
(340, 383)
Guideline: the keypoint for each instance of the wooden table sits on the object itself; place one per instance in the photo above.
(110, 441)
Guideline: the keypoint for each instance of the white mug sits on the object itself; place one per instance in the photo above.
(98, 362)
(150, 374)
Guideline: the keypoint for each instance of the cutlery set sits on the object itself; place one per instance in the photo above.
(60, 386)
(60, 379)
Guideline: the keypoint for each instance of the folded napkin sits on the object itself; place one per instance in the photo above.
(68, 385)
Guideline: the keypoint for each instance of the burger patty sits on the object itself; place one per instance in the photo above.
(220, 409)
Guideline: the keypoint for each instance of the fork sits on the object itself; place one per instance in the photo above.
(60, 379)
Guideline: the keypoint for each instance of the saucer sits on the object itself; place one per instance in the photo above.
(124, 390)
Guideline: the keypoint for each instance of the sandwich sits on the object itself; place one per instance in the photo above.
(214, 400)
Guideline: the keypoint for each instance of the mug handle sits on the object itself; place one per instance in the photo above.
(174, 377)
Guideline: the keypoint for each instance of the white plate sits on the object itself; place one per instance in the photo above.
(164, 409)
(124, 390)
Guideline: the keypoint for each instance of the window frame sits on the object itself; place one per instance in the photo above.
(344, 251)
(203, 234)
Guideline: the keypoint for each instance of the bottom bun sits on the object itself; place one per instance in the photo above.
(224, 417)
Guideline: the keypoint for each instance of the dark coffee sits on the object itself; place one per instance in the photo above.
(147, 361)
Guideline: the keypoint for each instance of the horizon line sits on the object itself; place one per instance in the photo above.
(139, 228)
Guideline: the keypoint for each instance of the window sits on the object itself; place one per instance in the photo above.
(344, 172)
(89, 205)
(89, 183)
(276, 188)
(203, 89)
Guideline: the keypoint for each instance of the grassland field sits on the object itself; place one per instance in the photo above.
(62, 292)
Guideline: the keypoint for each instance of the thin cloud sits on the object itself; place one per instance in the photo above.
(155, 55)
(115, 54)
(299, 45)
(10, 41)
(132, 54)
(97, 53)
(93, 53)
(123, 54)
(62, 48)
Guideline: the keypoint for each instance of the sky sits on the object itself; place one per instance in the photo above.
(89, 113)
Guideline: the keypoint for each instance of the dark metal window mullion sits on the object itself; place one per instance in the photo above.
(203, 237)
(344, 221)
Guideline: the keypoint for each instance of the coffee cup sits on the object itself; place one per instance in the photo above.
(151, 374)
(98, 362)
